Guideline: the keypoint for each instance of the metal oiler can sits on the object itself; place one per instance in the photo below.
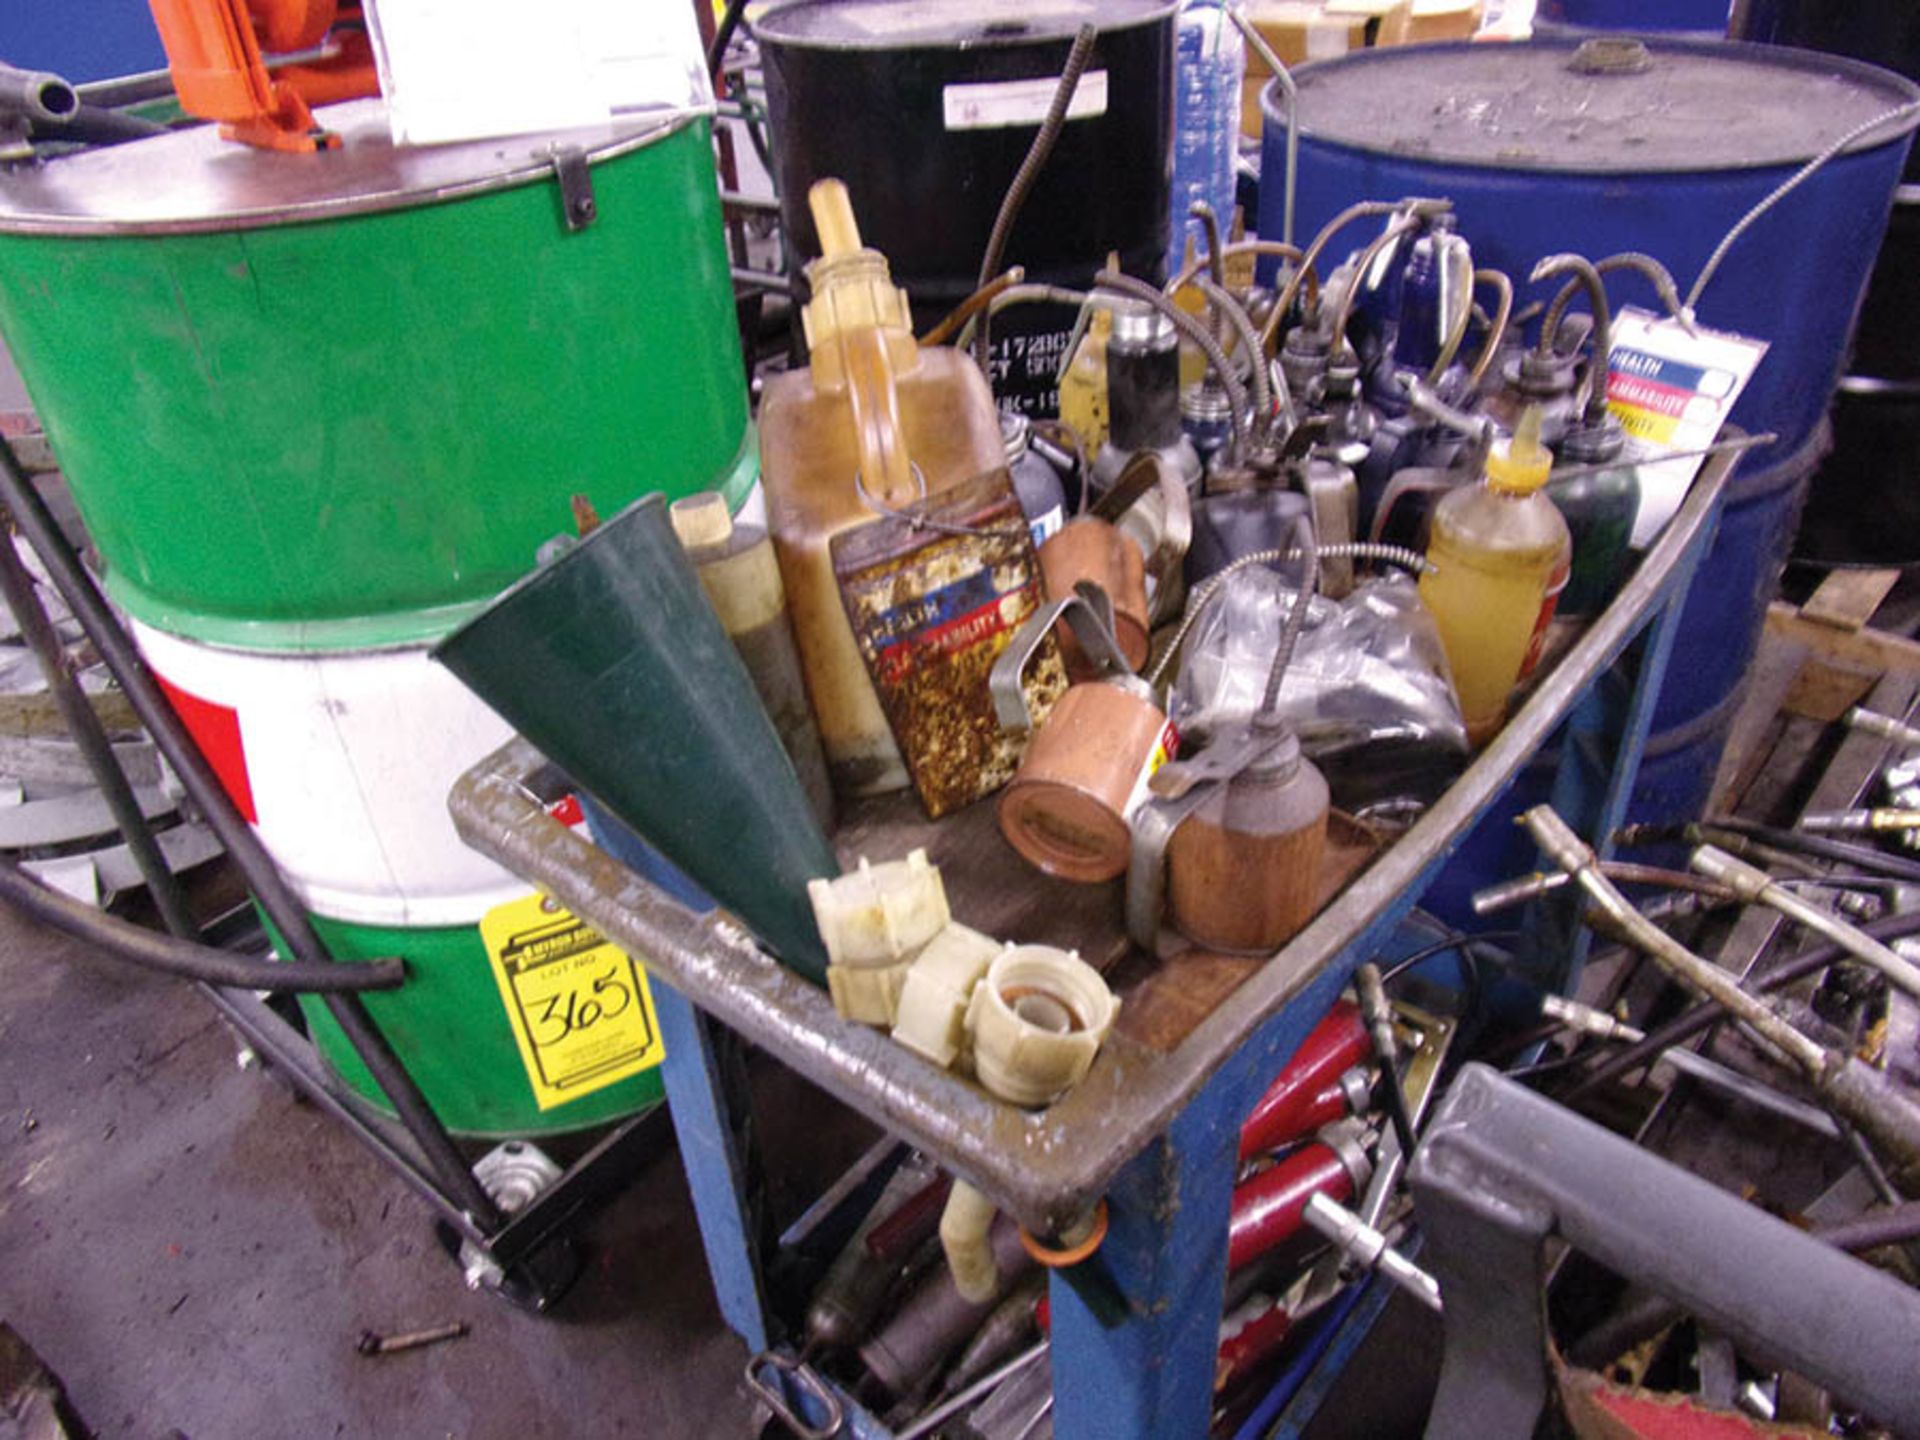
(1243, 871)
(1084, 776)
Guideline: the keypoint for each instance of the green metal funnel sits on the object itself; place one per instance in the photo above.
(611, 661)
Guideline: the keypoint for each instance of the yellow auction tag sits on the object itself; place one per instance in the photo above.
(579, 1008)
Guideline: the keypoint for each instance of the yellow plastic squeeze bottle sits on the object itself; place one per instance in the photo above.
(874, 418)
(1083, 389)
(1502, 553)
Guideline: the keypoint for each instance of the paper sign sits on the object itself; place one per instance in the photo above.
(470, 69)
(1004, 103)
(1672, 391)
(580, 1009)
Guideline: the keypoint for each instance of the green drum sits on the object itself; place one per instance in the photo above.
(316, 410)
(445, 1023)
(338, 400)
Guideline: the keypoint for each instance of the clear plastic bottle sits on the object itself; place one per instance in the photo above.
(1501, 552)
(873, 412)
(1210, 60)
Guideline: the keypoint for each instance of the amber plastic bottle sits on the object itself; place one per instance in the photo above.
(873, 412)
(1502, 553)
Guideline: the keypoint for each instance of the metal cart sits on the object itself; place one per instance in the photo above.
(1153, 1129)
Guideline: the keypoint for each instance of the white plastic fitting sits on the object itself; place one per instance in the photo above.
(1036, 1022)
(931, 1018)
(873, 921)
(964, 1226)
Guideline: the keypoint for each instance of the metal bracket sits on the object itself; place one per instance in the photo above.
(1096, 640)
(814, 1394)
(578, 208)
(1146, 474)
(1181, 787)
(1502, 1170)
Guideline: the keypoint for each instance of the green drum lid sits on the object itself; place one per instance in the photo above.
(450, 1030)
(303, 418)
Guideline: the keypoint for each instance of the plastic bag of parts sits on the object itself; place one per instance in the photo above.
(1367, 690)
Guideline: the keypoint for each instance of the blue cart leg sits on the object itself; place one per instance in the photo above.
(1137, 1357)
(1165, 1259)
(715, 1168)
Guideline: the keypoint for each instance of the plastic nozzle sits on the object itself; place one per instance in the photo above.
(701, 520)
(1522, 464)
(833, 218)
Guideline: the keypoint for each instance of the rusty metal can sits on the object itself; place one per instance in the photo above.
(1092, 549)
(1084, 776)
(1243, 872)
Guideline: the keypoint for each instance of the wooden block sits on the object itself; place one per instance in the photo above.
(1826, 692)
(1873, 650)
(1837, 671)
(1847, 599)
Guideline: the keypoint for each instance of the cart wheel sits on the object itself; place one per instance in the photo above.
(535, 1284)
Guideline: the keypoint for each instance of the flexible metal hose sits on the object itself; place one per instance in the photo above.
(1596, 288)
(971, 306)
(1394, 231)
(1783, 189)
(1278, 249)
(1235, 314)
(1320, 242)
(1296, 622)
(1023, 178)
(1497, 327)
(1697, 1018)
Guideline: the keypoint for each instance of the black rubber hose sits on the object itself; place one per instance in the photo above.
(90, 738)
(1693, 1020)
(93, 125)
(723, 35)
(184, 959)
(1023, 179)
(263, 877)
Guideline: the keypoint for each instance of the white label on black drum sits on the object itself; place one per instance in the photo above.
(933, 21)
(1006, 103)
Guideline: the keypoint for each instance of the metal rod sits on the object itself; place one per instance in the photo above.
(262, 875)
(1858, 1094)
(1589, 1021)
(1885, 726)
(1756, 887)
(1522, 888)
(90, 737)
(1860, 822)
(959, 1401)
(1720, 447)
(1744, 1087)
(1368, 1248)
(1284, 78)
(761, 280)
(1378, 1014)
(1566, 849)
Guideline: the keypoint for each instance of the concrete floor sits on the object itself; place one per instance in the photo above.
(193, 1251)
